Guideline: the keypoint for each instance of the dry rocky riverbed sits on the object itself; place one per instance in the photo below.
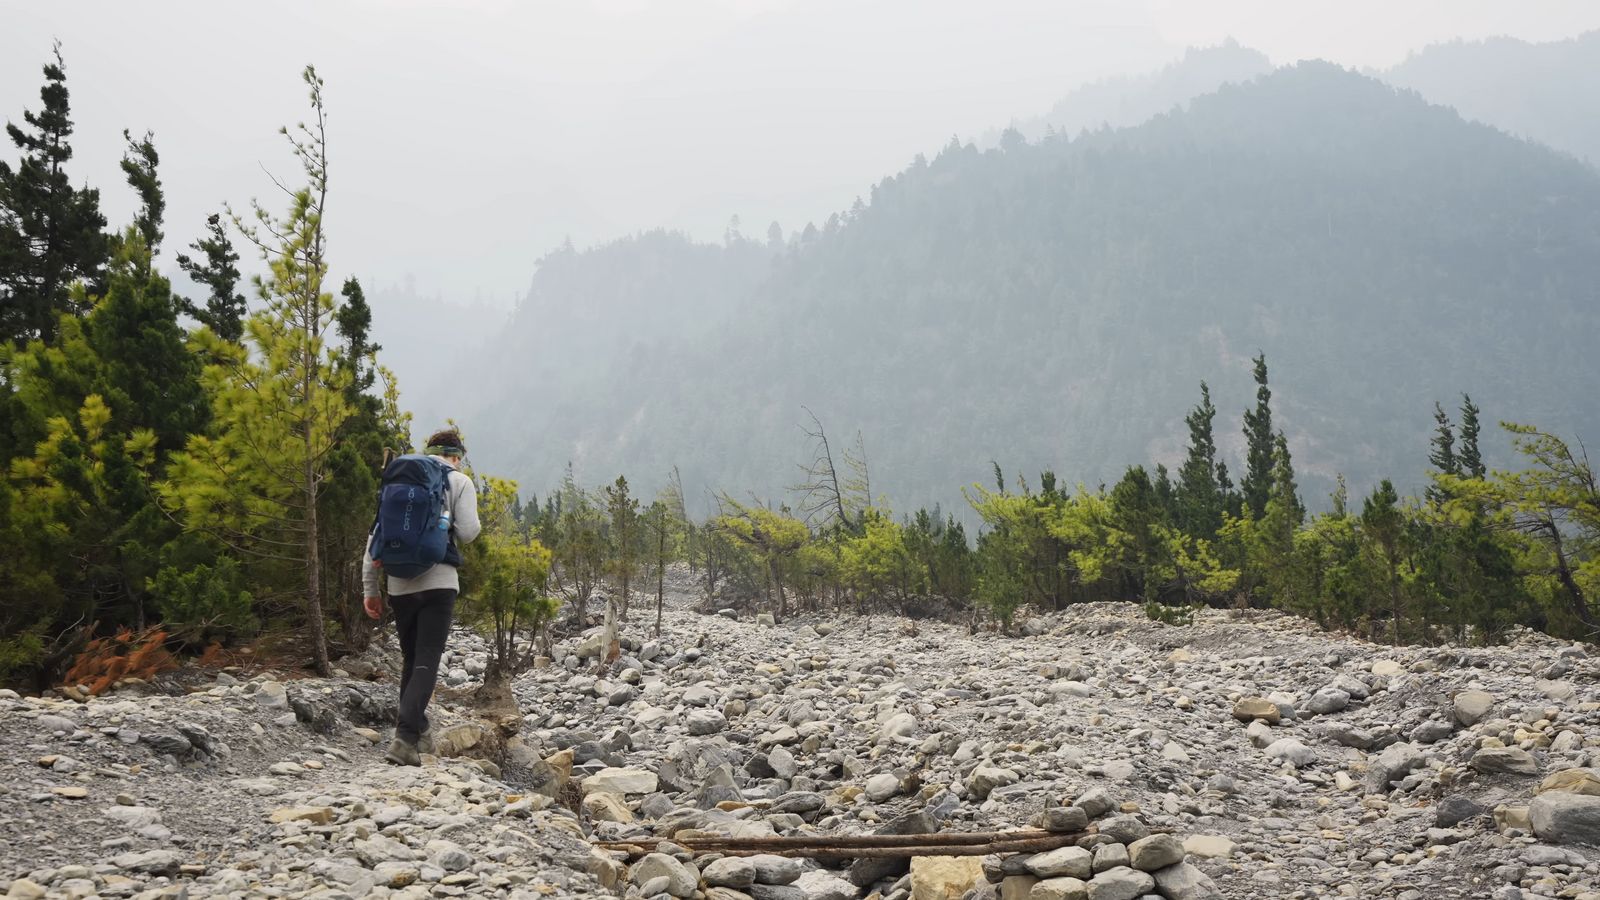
(1270, 760)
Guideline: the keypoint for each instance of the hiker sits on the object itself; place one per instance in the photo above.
(427, 507)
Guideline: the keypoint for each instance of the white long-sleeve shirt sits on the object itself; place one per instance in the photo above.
(464, 526)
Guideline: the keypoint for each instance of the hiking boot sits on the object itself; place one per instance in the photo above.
(425, 741)
(403, 753)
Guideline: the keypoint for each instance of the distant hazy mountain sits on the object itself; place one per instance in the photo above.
(1133, 99)
(585, 315)
(1546, 92)
(1055, 304)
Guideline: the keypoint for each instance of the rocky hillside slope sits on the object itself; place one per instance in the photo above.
(1245, 755)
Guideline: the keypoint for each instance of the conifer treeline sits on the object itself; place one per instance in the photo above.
(208, 465)
(211, 479)
(1480, 552)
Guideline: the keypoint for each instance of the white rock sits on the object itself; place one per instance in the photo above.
(819, 884)
(1292, 751)
(898, 728)
(1060, 889)
(1208, 846)
(272, 695)
(621, 781)
(881, 787)
(134, 817)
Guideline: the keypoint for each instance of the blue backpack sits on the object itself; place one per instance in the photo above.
(412, 532)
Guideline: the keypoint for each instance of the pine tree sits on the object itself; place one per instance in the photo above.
(1382, 530)
(624, 512)
(1166, 492)
(1469, 461)
(1231, 501)
(1272, 553)
(279, 411)
(1441, 454)
(100, 408)
(577, 528)
(1139, 542)
(1256, 486)
(50, 232)
(1557, 503)
(356, 465)
(1198, 495)
(139, 164)
(151, 377)
(773, 536)
(1284, 489)
(354, 323)
(223, 311)
(666, 521)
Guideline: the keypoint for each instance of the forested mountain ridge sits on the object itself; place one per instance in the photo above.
(1548, 92)
(1055, 304)
(584, 313)
(1132, 99)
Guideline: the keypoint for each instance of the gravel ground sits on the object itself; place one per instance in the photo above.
(1282, 762)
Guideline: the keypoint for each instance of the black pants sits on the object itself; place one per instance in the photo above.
(423, 623)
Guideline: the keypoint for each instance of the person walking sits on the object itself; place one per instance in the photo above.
(422, 592)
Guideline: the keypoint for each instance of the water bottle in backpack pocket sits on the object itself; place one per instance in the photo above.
(412, 533)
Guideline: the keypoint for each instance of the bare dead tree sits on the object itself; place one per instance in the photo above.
(822, 496)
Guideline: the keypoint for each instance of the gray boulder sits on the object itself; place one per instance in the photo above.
(730, 871)
(1452, 811)
(1121, 883)
(681, 878)
(1562, 818)
(1508, 760)
(985, 779)
(1157, 851)
(1124, 829)
(704, 722)
(1328, 700)
(1395, 762)
(1071, 862)
(1471, 707)
(772, 869)
(1185, 882)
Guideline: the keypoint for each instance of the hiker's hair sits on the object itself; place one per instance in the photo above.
(448, 437)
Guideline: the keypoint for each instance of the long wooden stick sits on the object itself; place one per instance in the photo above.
(862, 846)
(860, 840)
(1030, 846)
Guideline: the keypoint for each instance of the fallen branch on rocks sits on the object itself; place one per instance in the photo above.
(868, 846)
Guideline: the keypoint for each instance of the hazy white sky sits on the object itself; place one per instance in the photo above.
(470, 137)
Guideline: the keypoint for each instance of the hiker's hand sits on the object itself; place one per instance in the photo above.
(373, 606)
